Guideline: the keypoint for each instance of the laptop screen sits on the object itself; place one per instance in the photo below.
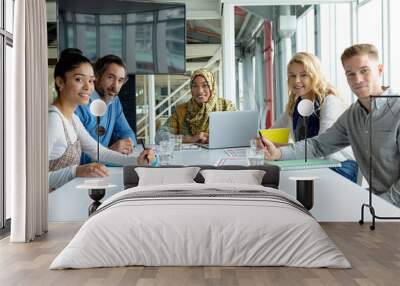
(232, 128)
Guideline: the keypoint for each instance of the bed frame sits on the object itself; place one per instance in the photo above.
(270, 179)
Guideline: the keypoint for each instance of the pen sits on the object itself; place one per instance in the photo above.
(144, 148)
(261, 137)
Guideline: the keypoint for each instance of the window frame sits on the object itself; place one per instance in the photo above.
(6, 39)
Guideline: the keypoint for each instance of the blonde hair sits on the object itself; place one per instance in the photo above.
(360, 49)
(320, 88)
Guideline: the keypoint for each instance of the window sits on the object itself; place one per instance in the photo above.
(2, 192)
(111, 40)
(394, 43)
(8, 87)
(149, 42)
(335, 37)
(6, 62)
(305, 34)
(9, 15)
(370, 23)
(141, 53)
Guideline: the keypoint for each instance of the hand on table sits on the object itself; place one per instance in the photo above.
(146, 157)
(271, 152)
(202, 137)
(123, 146)
(91, 170)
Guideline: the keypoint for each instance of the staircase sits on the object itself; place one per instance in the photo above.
(167, 105)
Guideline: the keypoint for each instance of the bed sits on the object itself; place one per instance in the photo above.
(201, 224)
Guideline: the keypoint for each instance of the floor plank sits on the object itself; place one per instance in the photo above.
(374, 255)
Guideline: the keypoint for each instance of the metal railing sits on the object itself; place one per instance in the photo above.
(215, 58)
(141, 120)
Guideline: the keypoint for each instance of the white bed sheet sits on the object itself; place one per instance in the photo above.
(200, 231)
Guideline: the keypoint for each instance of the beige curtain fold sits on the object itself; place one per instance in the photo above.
(27, 155)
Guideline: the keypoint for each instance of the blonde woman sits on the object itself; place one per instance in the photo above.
(191, 118)
(306, 81)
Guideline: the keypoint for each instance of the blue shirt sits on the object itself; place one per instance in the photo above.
(114, 121)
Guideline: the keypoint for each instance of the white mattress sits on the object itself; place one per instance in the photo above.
(200, 231)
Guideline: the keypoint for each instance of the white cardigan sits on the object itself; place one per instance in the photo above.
(57, 144)
(330, 110)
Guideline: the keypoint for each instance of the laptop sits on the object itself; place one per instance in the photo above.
(228, 129)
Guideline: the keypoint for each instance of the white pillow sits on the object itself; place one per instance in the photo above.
(166, 176)
(248, 177)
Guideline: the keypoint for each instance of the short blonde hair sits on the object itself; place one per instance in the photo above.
(360, 49)
(319, 86)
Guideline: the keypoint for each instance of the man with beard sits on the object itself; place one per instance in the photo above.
(110, 72)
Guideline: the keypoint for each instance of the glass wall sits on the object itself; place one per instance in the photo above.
(335, 37)
(8, 91)
(394, 44)
(343, 24)
(370, 23)
(305, 36)
(149, 42)
(377, 24)
(2, 91)
(6, 62)
(140, 53)
(164, 86)
(9, 12)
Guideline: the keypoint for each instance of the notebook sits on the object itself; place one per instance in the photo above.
(301, 165)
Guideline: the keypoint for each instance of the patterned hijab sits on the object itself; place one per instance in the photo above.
(197, 116)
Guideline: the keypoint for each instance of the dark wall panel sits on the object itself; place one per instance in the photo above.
(127, 96)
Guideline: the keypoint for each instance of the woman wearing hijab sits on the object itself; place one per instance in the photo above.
(191, 119)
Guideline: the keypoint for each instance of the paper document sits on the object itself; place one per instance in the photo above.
(236, 152)
(190, 147)
(242, 161)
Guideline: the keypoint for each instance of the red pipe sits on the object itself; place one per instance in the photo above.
(239, 11)
(268, 72)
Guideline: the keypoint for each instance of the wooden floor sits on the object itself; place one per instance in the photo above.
(374, 255)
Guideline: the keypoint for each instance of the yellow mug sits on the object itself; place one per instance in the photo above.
(276, 135)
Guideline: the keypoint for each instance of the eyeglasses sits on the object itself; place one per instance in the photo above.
(100, 130)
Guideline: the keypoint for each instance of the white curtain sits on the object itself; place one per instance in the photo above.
(26, 127)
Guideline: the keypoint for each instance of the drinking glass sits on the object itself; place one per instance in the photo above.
(165, 152)
(178, 141)
(255, 153)
(253, 144)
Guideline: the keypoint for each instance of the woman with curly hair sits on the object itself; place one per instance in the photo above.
(306, 81)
